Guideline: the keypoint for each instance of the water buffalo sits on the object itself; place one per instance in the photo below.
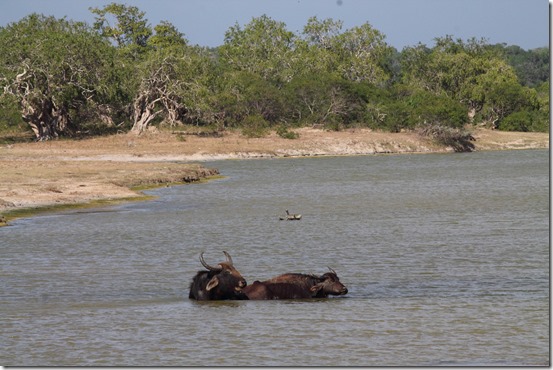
(296, 286)
(264, 290)
(218, 283)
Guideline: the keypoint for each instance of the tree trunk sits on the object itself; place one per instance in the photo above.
(143, 120)
(44, 120)
(144, 113)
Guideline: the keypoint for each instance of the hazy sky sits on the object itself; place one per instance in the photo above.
(404, 22)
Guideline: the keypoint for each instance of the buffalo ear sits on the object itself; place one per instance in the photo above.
(316, 288)
(212, 283)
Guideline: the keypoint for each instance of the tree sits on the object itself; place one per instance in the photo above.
(316, 49)
(470, 72)
(362, 54)
(124, 25)
(176, 85)
(263, 47)
(450, 67)
(504, 98)
(243, 94)
(54, 68)
(322, 34)
(157, 93)
(358, 54)
(321, 98)
(161, 89)
(68, 77)
(168, 79)
(167, 36)
(531, 66)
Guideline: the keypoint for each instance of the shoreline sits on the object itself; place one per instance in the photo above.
(35, 177)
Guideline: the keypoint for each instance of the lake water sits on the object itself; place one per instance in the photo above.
(446, 258)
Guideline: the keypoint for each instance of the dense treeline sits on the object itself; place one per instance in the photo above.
(64, 77)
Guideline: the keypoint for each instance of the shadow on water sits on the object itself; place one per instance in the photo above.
(216, 304)
(239, 303)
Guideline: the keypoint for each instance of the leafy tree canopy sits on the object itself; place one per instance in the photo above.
(55, 68)
(124, 25)
(121, 73)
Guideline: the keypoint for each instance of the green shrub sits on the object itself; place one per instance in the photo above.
(436, 109)
(525, 121)
(254, 126)
(517, 121)
(285, 134)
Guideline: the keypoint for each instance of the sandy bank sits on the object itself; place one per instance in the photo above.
(76, 171)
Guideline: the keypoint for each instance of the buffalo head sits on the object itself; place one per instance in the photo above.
(329, 285)
(218, 283)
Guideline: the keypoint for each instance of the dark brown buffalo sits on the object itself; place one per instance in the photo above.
(296, 286)
(263, 290)
(218, 283)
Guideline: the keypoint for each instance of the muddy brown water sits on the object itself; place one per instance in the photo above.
(446, 258)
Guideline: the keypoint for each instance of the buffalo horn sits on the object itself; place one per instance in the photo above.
(210, 268)
(331, 270)
(229, 258)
